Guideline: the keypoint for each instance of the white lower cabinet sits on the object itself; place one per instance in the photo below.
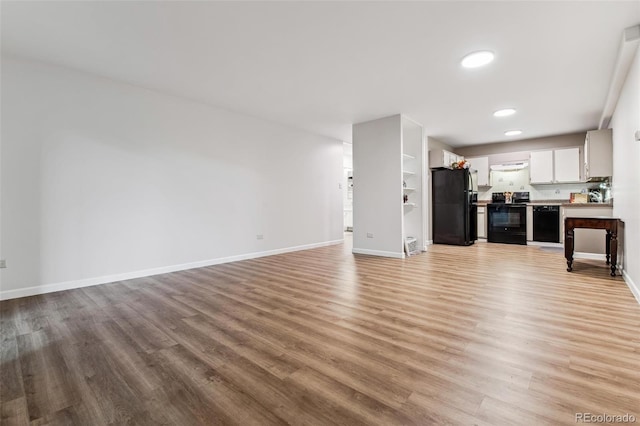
(529, 223)
(482, 222)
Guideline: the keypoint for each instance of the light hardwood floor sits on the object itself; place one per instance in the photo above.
(484, 335)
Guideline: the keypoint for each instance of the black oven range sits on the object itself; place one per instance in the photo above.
(508, 218)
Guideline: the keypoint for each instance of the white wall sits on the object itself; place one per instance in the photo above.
(626, 173)
(103, 180)
(433, 144)
(377, 187)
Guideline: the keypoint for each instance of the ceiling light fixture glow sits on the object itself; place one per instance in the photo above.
(504, 112)
(513, 132)
(477, 59)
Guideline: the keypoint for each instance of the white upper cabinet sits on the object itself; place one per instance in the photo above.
(555, 166)
(442, 158)
(481, 164)
(567, 165)
(541, 166)
(598, 154)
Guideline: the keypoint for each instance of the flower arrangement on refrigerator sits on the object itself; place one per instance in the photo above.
(462, 164)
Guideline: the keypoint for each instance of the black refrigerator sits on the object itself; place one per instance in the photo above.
(455, 208)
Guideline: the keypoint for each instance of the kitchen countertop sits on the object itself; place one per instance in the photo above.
(587, 205)
(563, 203)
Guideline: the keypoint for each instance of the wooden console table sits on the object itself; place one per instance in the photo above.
(610, 224)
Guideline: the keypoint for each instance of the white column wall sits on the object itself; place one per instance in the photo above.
(377, 192)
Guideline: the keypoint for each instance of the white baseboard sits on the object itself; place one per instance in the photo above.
(429, 242)
(543, 244)
(396, 255)
(87, 282)
(632, 286)
(594, 256)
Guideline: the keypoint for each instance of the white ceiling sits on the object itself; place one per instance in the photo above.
(322, 66)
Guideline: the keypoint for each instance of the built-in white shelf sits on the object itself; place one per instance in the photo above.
(409, 204)
(408, 157)
(407, 172)
(409, 189)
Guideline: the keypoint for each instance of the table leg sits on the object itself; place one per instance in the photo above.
(608, 245)
(613, 242)
(568, 248)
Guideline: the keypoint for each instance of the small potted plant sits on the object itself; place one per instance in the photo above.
(462, 164)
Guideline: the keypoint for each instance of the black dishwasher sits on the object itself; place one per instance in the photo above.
(546, 224)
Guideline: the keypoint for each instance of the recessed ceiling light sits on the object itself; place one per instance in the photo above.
(504, 112)
(512, 132)
(477, 59)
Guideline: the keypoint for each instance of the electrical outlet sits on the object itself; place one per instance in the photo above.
(339, 186)
(522, 187)
(3, 263)
(557, 191)
(369, 235)
(259, 237)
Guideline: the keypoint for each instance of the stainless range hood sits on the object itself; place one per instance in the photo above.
(598, 179)
(510, 166)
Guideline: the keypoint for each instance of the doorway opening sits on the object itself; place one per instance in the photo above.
(347, 194)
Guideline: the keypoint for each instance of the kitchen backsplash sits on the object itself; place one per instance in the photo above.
(518, 180)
